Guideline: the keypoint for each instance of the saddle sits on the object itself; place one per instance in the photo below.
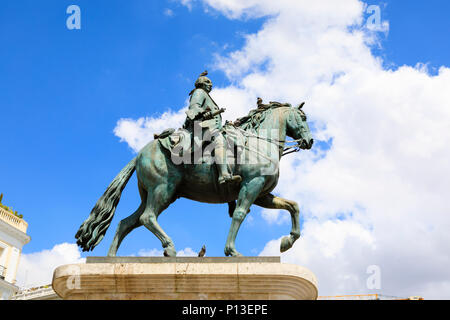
(182, 145)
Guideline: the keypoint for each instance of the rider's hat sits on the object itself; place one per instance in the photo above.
(201, 79)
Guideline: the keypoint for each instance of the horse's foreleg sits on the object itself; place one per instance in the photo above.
(232, 207)
(247, 195)
(273, 202)
(158, 200)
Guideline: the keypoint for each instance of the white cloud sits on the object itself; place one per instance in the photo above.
(326, 248)
(386, 172)
(378, 196)
(275, 216)
(187, 3)
(169, 12)
(36, 269)
(187, 252)
(137, 133)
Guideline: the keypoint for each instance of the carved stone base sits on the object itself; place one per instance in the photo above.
(184, 278)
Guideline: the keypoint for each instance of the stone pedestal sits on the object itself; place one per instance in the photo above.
(184, 278)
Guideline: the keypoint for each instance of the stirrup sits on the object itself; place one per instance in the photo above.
(229, 178)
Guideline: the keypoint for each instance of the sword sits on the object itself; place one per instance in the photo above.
(209, 115)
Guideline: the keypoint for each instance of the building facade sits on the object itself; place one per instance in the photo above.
(13, 236)
(38, 293)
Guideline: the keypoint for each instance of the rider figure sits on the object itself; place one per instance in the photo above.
(204, 112)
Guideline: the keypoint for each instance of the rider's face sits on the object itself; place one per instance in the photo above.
(207, 85)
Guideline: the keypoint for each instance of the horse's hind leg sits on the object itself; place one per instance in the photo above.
(128, 224)
(157, 201)
(272, 202)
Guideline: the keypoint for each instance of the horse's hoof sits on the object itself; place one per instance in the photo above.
(232, 252)
(170, 252)
(286, 243)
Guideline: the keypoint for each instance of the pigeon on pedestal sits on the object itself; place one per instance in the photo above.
(202, 252)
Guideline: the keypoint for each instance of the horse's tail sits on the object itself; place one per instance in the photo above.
(92, 230)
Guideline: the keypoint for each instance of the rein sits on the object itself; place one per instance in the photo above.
(292, 149)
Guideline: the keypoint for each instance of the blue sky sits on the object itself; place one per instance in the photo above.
(62, 92)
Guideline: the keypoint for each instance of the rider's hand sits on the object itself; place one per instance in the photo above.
(207, 115)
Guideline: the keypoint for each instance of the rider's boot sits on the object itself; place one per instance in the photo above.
(222, 166)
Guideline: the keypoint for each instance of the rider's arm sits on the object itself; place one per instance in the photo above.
(196, 105)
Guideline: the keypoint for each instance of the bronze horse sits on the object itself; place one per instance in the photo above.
(161, 182)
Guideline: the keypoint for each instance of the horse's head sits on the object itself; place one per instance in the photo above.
(298, 128)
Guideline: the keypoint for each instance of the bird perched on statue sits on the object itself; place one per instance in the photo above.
(204, 73)
(259, 102)
(202, 252)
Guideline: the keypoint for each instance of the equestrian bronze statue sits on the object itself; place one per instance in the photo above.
(207, 161)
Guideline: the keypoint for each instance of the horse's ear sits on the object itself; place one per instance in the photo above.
(301, 105)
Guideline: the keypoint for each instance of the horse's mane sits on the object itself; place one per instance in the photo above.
(255, 117)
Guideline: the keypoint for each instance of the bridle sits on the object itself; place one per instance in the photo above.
(279, 143)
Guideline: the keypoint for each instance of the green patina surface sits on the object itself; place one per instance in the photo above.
(241, 184)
